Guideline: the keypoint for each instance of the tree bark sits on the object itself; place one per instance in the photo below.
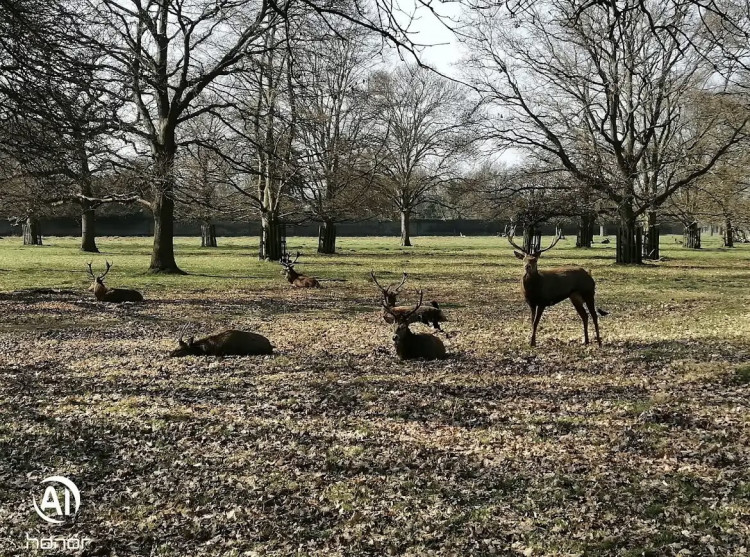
(532, 240)
(651, 241)
(728, 234)
(629, 238)
(270, 238)
(691, 237)
(32, 235)
(327, 237)
(405, 228)
(162, 256)
(585, 231)
(208, 235)
(88, 228)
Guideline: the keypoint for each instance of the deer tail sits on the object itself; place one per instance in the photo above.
(601, 312)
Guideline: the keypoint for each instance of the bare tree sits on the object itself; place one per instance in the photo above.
(336, 157)
(423, 133)
(608, 92)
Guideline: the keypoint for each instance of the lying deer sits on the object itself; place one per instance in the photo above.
(296, 279)
(226, 343)
(410, 345)
(551, 286)
(114, 295)
(427, 315)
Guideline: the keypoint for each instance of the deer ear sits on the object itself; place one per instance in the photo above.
(182, 343)
(518, 254)
(190, 341)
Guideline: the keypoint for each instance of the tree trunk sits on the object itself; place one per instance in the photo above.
(270, 238)
(88, 228)
(602, 231)
(405, 222)
(162, 256)
(585, 231)
(651, 241)
(691, 237)
(32, 235)
(629, 238)
(208, 235)
(327, 237)
(532, 240)
(728, 234)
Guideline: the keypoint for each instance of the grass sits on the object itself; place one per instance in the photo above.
(334, 447)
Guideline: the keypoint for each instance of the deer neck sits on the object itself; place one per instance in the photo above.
(99, 290)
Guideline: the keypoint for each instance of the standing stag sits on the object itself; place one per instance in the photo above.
(551, 286)
(296, 279)
(427, 315)
(114, 295)
(410, 345)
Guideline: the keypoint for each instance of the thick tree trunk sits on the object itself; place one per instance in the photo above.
(327, 237)
(270, 238)
(208, 235)
(691, 237)
(728, 234)
(585, 231)
(651, 240)
(532, 240)
(32, 235)
(629, 238)
(162, 256)
(405, 224)
(88, 228)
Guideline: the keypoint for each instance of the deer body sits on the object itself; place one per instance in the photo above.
(394, 314)
(546, 288)
(427, 315)
(226, 343)
(298, 280)
(410, 345)
(112, 295)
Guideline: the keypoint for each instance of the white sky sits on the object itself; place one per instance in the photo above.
(444, 51)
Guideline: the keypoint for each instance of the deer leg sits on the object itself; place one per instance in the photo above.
(578, 304)
(592, 310)
(537, 318)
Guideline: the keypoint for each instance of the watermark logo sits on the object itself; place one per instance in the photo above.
(56, 509)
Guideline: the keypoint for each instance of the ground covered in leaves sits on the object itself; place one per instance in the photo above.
(333, 447)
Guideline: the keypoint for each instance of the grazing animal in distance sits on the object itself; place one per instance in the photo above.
(113, 295)
(426, 314)
(550, 286)
(298, 280)
(410, 345)
(226, 343)
(605, 241)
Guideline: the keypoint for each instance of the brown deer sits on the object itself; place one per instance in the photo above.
(114, 295)
(296, 279)
(226, 343)
(427, 315)
(551, 286)
(409, 345)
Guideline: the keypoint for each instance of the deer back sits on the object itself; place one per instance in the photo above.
(118, 295)
(226, 343)
(421, 345)
(550, 286)
(303, 281)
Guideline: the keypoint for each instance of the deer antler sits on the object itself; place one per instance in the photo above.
(509, 237)
(372, 274)
(552, 245)
(403, 280)
(405, 318)
(182, 331)
(91, 271)
(109, 266)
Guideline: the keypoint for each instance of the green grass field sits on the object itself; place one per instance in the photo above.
(334, 447)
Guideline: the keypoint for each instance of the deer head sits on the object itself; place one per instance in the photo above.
(389, 296)
(289, 266)
(98, 281)
(530, 260)
(401, 320)
(184, 348)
